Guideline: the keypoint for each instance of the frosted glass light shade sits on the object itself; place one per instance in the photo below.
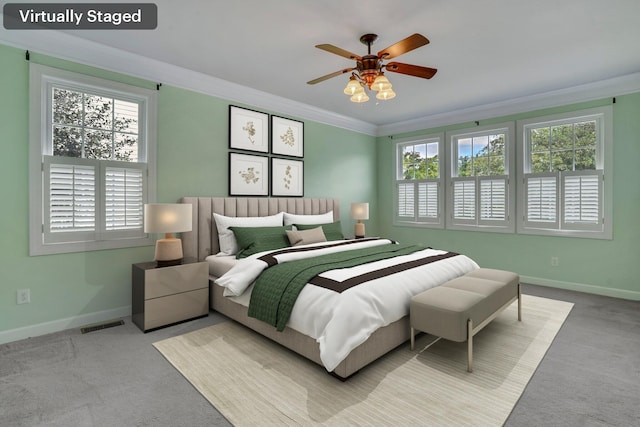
(381, 83)
(360, 97)
(353, 87)
(386, 94)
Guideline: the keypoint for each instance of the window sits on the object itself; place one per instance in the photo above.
(481, 195)
(417, 187)
(91, 162)
(563, 169)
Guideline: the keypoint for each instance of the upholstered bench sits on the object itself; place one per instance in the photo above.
(461, 307)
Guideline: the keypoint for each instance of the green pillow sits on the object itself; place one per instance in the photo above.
(252, 240)
(332, 231)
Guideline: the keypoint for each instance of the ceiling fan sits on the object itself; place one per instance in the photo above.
(369, 68)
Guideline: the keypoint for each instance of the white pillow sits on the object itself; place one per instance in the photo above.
(324, 218)
(228, 244)
(241, 276)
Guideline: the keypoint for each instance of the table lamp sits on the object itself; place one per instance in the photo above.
(167, 218)
(359, 211)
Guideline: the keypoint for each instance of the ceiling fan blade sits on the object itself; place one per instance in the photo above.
(338, 51)
(403, 46)
(412, 70)
(328, 76)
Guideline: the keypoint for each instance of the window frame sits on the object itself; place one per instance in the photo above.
(41, 80)
(604, 165)
(416, 220)
(507, 225)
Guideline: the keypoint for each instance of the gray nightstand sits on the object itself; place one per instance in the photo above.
(166, 295)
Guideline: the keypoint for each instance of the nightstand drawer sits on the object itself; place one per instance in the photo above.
(161, 296)
(175, 308)
(171, 280)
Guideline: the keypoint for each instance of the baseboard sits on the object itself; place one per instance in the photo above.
(63, 324)
(579, 287)
(102, 316)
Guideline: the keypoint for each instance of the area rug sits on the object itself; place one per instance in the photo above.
(254, 381)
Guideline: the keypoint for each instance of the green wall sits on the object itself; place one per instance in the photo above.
(607, 267)
(193, 153)
(192, 160)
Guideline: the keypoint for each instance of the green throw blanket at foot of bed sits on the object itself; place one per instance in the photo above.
(277, 288)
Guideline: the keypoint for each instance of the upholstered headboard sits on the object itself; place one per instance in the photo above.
(202, 241)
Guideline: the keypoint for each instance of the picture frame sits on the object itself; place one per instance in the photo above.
(248, 129)
(287, 177)
(287, 137)
(248, 175)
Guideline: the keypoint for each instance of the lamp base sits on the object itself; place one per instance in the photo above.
(359, 230)
(168, 252)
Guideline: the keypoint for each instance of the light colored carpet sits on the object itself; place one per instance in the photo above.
(253, 381)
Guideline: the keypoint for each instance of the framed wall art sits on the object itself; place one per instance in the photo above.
(287, 137)
(248, 129)
(287, 177)
(248, 175)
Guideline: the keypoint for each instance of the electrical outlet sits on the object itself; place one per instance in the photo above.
(24, 296)
(555, 261)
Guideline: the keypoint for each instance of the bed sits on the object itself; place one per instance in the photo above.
(203, 242)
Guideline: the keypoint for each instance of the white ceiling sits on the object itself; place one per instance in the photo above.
(486, 51)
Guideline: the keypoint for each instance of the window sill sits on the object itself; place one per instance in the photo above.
(38, 248)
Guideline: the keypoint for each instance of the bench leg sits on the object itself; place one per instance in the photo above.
(469, 345)
(413, 341)
(519, 304)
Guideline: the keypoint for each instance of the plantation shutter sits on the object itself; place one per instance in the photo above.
(464, 200)
(428, 201)
(124, 197)
(493, 200)
(77, 212)
(70, 194)
(418, 201)
(573, 197)
(406, 201)
(582, 195)
(541, 199)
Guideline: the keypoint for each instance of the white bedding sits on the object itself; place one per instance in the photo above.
(220, 264)
(342, 321)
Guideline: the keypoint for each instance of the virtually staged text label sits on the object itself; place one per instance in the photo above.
(80, 16)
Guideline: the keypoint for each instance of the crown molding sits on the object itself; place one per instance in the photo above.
(71, 48)
(617, 86)
(68, 47)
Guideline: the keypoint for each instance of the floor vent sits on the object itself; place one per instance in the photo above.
(94, 328)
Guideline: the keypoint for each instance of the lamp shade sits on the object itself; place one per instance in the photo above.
(360, 211)
(167, 217)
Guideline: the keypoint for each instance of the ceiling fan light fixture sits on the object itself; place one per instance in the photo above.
(386, 94)
(368, 68)
(360, 97)
(381, 83)
(353, 87)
